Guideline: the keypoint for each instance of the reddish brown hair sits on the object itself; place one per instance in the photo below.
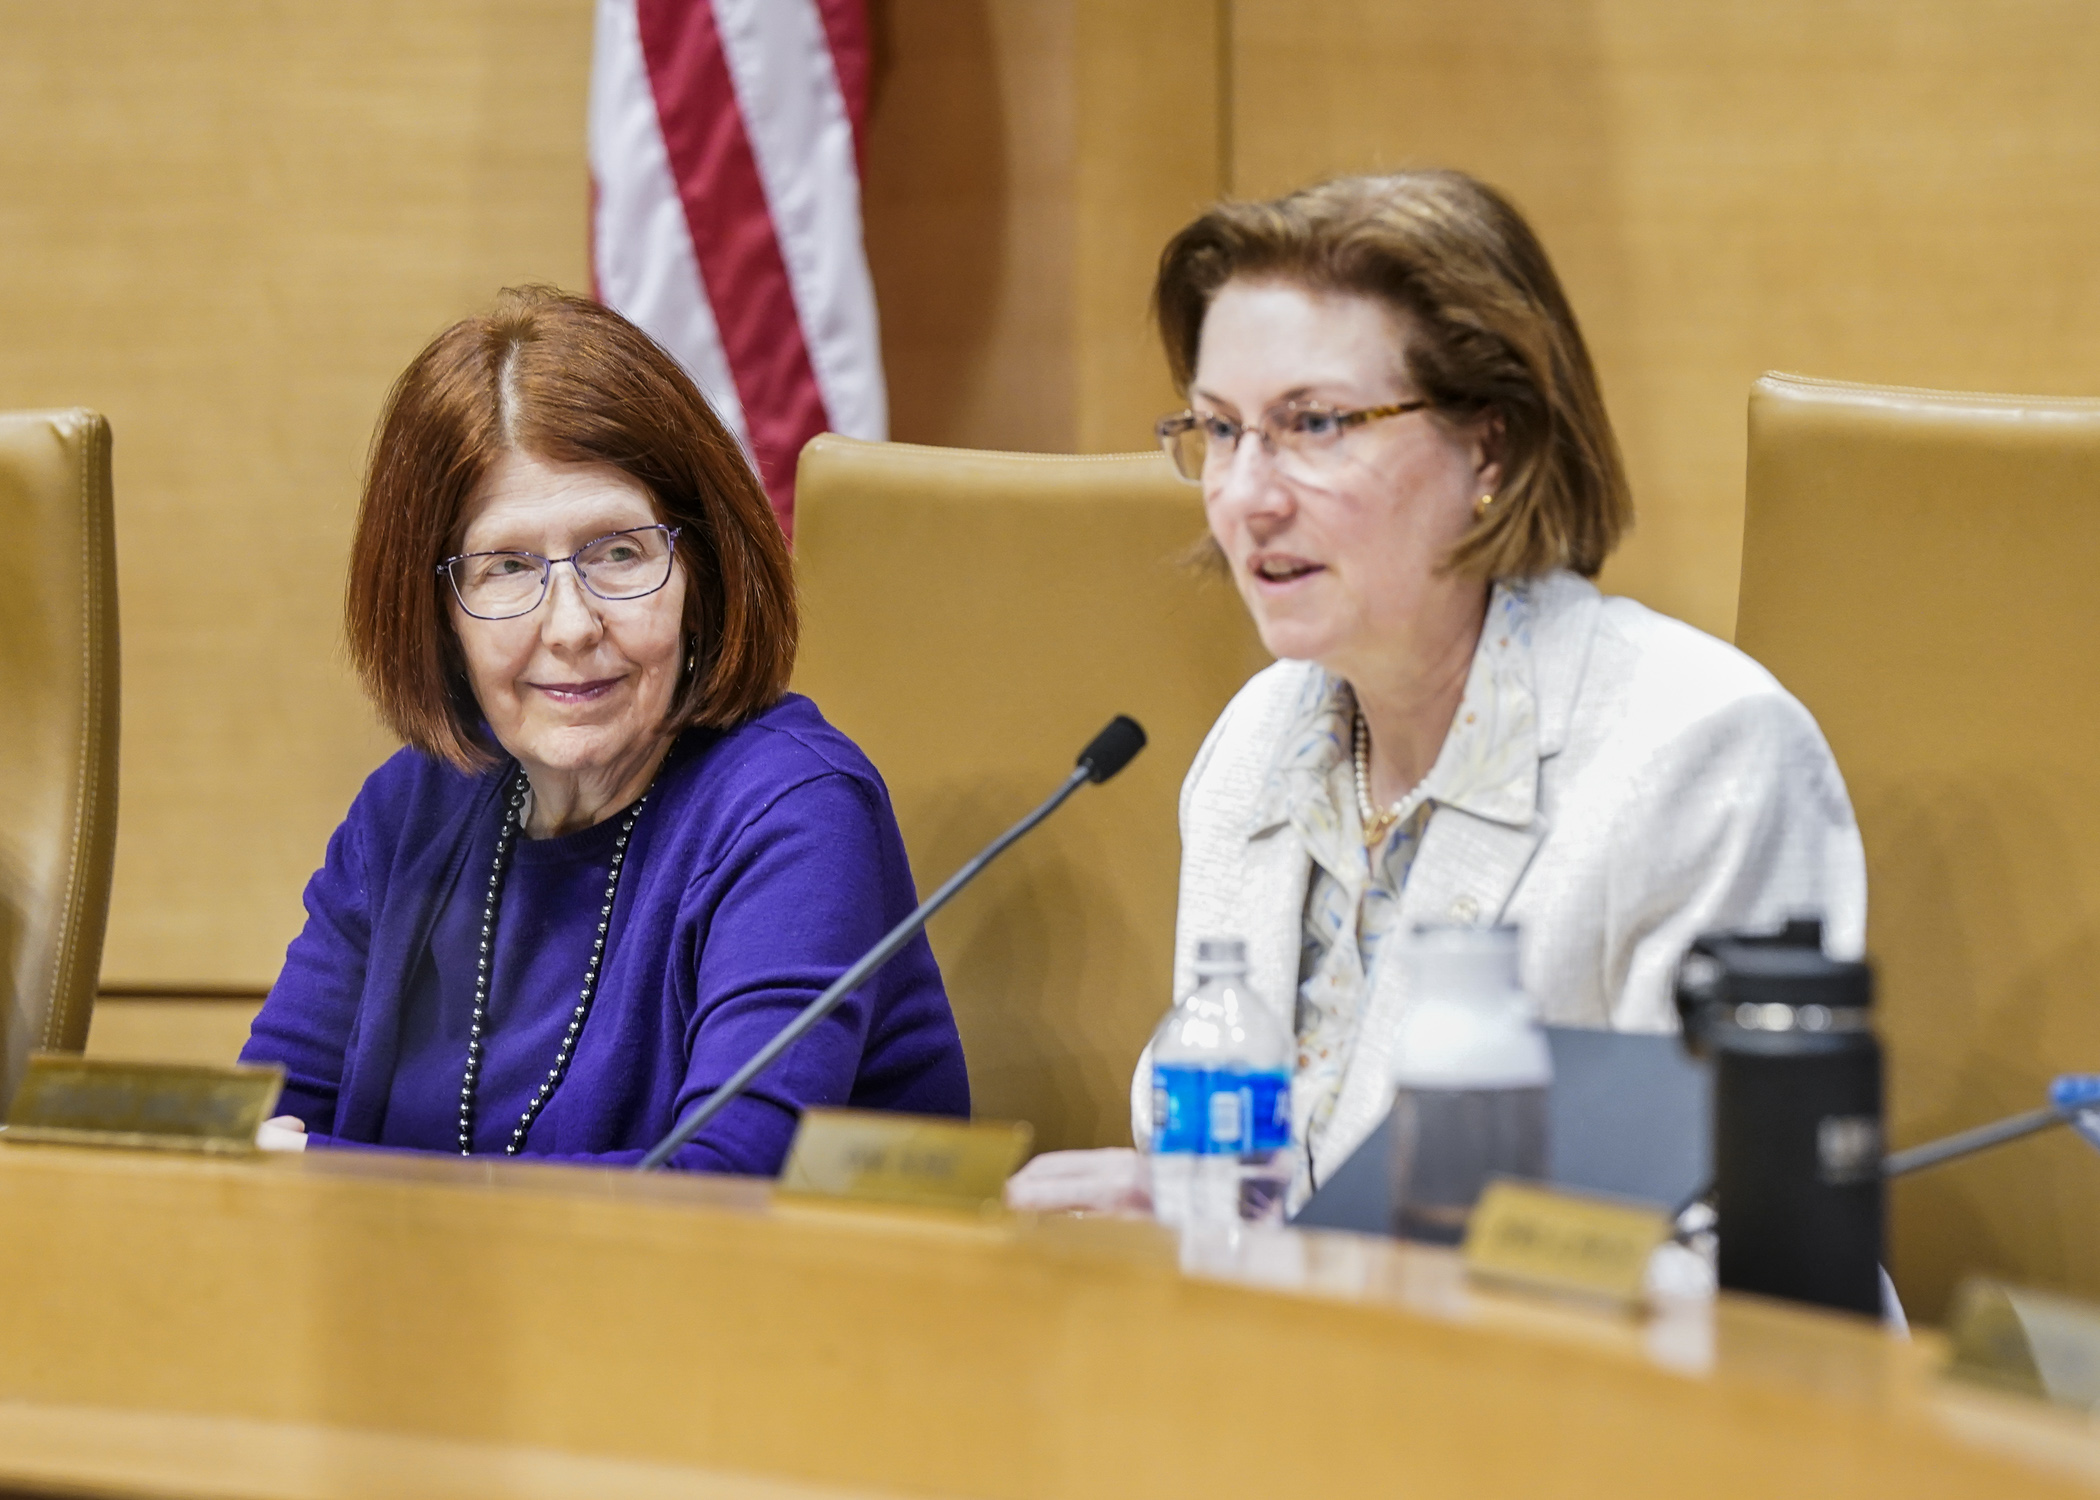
(1489, 334)
(568, 381)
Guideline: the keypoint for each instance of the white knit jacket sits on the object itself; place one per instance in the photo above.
(1680, 789)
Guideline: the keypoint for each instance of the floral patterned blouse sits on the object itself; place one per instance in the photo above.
(1352, 901)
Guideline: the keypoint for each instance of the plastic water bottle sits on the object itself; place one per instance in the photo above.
(1469, 1070)
(1221, 1100)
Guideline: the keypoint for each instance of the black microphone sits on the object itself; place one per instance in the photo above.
(1109, 752)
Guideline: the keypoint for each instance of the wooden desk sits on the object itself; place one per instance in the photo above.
(352, 1324)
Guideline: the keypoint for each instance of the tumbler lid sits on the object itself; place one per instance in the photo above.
(1468, 1023)
(1706, 993)
(1767, 988)
(1760, 974)
(1462, 959)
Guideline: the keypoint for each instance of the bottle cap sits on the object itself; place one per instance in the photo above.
(1217, 955)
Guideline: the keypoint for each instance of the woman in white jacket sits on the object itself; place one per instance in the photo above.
(1407, 467)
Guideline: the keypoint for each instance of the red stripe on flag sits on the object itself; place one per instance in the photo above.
(852, 58)
(733, 239)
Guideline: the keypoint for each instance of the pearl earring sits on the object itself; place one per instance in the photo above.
(1480, 507)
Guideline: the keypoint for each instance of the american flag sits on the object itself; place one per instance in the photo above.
(726, 147)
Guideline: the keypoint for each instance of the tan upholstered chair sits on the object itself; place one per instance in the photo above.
(58, 754)
(1923, 570)
(973, 619)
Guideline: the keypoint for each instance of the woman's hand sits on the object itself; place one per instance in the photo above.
(284, 1133)
(1113, 1181)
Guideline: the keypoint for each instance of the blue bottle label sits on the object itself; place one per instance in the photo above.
(1219, 1112)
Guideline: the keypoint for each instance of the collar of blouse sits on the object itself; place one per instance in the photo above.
(1488, 766)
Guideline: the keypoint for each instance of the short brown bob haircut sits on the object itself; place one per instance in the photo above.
(1489, 333)
(568, 381)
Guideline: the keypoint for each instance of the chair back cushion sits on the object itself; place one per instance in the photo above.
(58, 753)
(972, 619)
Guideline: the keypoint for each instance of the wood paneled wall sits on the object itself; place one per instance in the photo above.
(228, 228)
(1901, 191)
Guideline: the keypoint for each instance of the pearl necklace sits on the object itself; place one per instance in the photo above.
(513, 818)
(1377, 823)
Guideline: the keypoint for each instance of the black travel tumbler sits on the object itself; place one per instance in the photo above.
(1797, 1116)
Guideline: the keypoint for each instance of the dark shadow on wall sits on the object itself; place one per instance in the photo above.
(934, 206)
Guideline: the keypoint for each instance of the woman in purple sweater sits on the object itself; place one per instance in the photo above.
(616, 855)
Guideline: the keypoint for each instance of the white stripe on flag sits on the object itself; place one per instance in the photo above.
(640, 245)
(795, 118)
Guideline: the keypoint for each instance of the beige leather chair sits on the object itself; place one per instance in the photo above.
(58, 753)
(1923, 570)
(972, 620)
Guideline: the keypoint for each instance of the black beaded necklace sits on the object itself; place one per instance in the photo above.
(513, 817)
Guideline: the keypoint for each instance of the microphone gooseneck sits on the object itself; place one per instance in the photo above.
(1968, 1142)
(2073, 1100)
(1106, 754)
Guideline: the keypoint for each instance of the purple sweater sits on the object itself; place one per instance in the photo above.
(767, 860)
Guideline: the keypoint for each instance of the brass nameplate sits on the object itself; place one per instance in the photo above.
(1555, 1241)
(921, 1160)
(79, 1101)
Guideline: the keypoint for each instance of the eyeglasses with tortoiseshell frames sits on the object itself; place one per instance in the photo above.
(1304, 431)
